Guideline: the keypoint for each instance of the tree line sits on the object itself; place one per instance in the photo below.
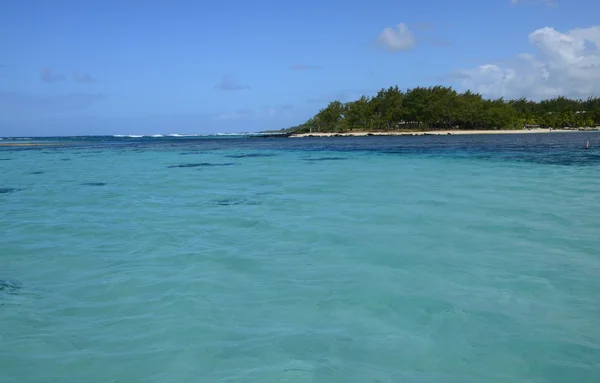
(441, 108)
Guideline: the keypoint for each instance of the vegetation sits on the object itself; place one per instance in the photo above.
(441, 108)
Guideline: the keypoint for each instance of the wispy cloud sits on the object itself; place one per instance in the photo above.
(549, 3)
(239, 114)
(230, 83)
(423, 26)
(47, 75)
(396, 39)
(402, 39)
(342, 96)
(255, 114)
(277, 110)
(305, 67)
(83, 77)
(17, 103)
(436, 42)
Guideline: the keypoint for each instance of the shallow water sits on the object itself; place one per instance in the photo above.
(376, 259)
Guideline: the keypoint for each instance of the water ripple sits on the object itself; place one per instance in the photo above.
(426, 259)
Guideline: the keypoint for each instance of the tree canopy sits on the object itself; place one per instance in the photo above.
(439, 107)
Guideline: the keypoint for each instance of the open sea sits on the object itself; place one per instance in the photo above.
(256, 259)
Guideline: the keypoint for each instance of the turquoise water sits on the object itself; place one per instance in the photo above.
(409, 259)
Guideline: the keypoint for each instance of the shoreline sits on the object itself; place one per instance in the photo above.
(436, 133)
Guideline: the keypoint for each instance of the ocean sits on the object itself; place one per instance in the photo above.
(266, 259)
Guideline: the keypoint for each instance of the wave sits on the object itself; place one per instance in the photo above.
(156, 136)
(181, 135)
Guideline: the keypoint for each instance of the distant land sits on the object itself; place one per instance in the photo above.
(442, 110)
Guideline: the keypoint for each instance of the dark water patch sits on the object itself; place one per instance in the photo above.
(5, 159)
(250, 155)
(405, 151)
(9, 285)
(558, 158)
(567, 160)
(37, 172)
(9, 190)
(201, 164)
(234, 201)
(229, 202)
(94, 184)
(535, 149)
(325, 159)
(65, 159)
(237, 263)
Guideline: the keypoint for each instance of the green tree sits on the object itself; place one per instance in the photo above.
(440, 107)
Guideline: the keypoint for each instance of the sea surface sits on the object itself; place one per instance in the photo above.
(258, 259)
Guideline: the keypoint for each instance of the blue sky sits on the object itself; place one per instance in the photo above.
(146, 67)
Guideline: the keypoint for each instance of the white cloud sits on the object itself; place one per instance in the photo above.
(566, 64)
(398, 39)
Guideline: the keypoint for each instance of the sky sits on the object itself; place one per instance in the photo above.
(147, 67)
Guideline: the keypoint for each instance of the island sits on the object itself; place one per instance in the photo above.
(442, 110)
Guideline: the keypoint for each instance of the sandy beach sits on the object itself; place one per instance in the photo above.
(433, 133)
